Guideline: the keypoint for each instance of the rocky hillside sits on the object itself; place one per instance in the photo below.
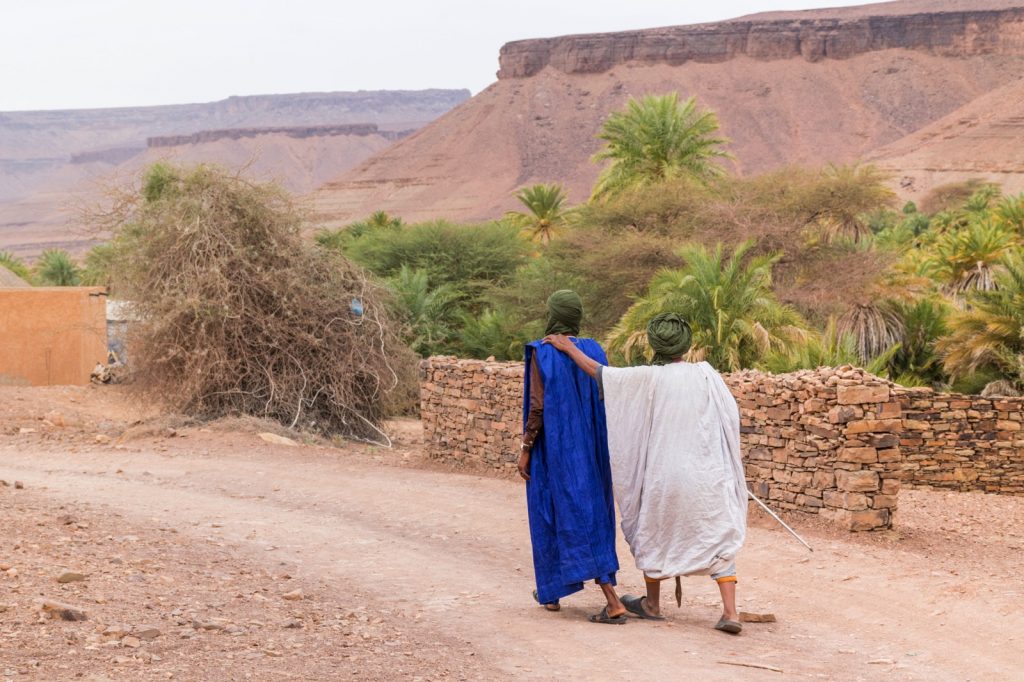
(980, 140)
(802, 87)
(48, 159)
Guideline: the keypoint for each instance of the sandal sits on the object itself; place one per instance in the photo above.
(551, 606)
(731, 627)
(635, 605)
(603, 617)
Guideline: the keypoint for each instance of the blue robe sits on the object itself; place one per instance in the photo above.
(569, 494)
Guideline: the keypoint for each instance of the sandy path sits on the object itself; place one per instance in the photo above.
(452, 552)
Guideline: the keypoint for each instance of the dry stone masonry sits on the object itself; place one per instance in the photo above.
(833, 442)
(823, 442)
(472, 411)
(963, 442)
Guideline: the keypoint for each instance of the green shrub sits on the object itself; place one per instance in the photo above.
(470, 258)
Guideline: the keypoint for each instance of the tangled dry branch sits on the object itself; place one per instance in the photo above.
(238, 315)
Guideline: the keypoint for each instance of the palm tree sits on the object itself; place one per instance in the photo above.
(14, 264)
(429, 313)
(916, 360)
(1009, 214)
(729, 303)
(828, 348)
(55, 268)
(980, 202)
(545, 216)
(965, 259)
(989, 334)
(658, 138)
(98, 264)
(340, 238)
(874, 328)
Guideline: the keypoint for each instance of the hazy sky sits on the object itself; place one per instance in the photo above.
(88, 53)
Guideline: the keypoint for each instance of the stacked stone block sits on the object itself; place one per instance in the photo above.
(962, 442)
(472, 411)
(824, 442)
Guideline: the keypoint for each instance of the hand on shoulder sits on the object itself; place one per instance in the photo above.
(559, 341)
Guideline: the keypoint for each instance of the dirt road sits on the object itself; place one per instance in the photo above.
(441, 561)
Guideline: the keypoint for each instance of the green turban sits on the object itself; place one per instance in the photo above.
(565, 312)
(669, 336)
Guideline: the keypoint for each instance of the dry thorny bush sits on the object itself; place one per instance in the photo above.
(239, 315)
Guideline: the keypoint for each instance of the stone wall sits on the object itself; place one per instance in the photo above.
(472, 411)
(824, 442)
(962, 442)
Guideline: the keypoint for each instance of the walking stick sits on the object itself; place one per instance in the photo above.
(776, 517)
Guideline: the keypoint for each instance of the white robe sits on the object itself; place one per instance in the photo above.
(674, 441)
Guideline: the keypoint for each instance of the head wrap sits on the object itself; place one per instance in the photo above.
(669, 336)
(565, 311)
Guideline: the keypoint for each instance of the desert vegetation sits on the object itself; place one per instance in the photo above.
(796, 268)
(53, 268)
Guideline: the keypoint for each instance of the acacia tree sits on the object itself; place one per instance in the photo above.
(545, 215)
(658, 138)
(728, 302)
(839, 204)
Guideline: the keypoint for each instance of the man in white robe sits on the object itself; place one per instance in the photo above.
(677, 473)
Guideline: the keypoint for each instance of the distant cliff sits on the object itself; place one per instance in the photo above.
(111, 156)
(790, 88)
(947, 34)
(298, 132)
(51, 159)
(43, 134)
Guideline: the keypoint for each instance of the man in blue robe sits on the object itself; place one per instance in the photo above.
(564, 461)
